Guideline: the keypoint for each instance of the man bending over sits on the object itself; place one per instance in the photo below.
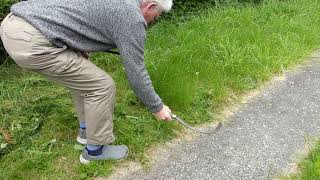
(50, 37)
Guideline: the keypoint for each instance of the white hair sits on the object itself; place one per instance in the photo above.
(164, 5)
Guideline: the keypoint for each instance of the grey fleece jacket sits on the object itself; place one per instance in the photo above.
(97, 25)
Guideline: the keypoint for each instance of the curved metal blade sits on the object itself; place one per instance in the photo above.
(194, 129)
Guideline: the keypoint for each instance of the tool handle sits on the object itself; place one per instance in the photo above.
(173, 116)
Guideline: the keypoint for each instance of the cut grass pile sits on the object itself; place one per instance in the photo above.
(197, 67)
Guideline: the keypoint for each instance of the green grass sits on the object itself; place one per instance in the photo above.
(197, 67)
(309, 169)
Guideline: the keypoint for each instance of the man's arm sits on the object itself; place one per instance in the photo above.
(130, 42)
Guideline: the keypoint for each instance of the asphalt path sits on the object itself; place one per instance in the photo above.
(261, 140)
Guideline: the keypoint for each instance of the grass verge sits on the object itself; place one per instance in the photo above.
(309, 168)
(197, 66)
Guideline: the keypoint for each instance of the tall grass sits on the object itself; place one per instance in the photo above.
(230, 50)
(196, 66)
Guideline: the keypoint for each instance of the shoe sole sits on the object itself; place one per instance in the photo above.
(81, 140)
(83, 160)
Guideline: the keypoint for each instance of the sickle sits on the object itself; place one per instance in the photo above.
(194, 129)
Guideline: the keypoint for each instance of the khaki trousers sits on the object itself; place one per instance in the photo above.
(92, 90)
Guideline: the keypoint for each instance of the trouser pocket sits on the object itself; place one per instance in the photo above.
(27, 46)
(4, 22)
(18, 45)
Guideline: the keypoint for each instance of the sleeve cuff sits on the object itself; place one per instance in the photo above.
(156, 108)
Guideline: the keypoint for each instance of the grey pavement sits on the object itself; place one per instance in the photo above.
(260, 141)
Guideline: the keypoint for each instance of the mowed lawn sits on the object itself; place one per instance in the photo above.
(197, 66)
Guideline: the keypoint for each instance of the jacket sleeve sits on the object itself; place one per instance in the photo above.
(130, 42)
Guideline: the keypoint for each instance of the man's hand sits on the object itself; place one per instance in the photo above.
(164, 114)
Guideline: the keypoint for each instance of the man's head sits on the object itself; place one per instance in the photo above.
(152, 9)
